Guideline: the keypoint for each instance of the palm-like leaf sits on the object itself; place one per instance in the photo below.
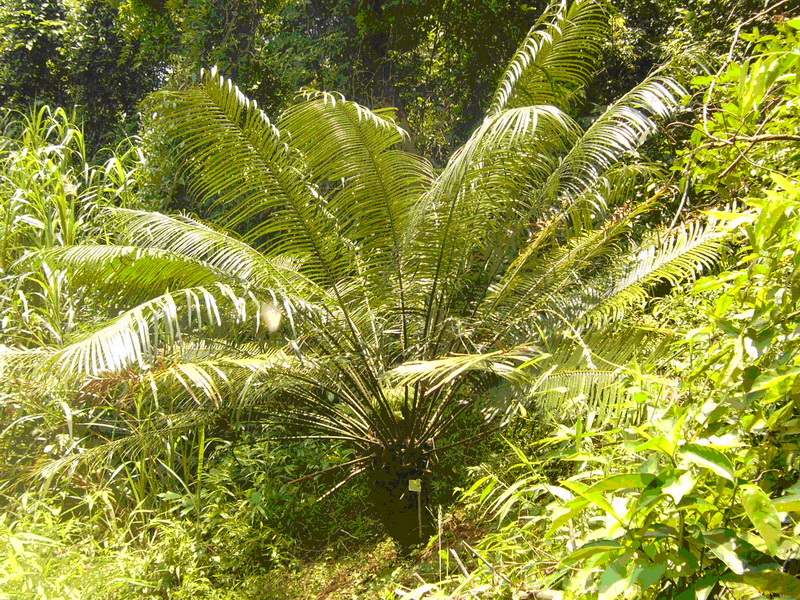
(240, 158)
(678, 255)
(139, 334)
(620, 129)
(216, 248)
(588, 374)
(556, 59)
(145, 271)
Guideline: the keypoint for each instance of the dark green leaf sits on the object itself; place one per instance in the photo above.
(648, 576)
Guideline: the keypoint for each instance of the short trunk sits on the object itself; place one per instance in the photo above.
(398, 508)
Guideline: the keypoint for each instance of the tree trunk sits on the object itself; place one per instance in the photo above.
(398, 508)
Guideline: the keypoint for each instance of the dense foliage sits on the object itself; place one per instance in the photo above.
(438, 62)
(342, 320)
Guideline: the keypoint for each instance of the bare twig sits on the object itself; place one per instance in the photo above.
(487, 563)
(460, 564)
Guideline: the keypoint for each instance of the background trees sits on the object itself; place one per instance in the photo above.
(438, 62)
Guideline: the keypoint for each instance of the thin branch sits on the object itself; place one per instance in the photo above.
(754, 139)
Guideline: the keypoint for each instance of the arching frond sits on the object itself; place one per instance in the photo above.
(589, 376)
(234, 155)
(129, 273)
(222, 251)
(537, 273)
(591, 394)
(678, 256)
(139, 439)
(620, 129)
(138, 335)
(442, 371)
(376, 186)
(556, 59)
(462, 208)
(221, 377)
(607, 350)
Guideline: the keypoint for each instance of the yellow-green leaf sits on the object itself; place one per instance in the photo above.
(763, 515)
(623, 481)
(770, 582)
(679, 488)
(790, 503)
(592, 548)
(708, 458)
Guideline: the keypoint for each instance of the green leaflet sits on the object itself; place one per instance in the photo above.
(623, 481)
(770, 582)
(592, 548)
(790, 503)
(737, 554)
(680, 487)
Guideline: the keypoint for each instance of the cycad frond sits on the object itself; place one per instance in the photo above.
(620, 129)
(351, 148)
(234, 155)
(222, 378)
(589, 375)
(443, 371)
(599, 395)
(534, 134)
(140, 438)
(129, 274)
(473, 194)
(556, 59)
(373, 188)
(138, 335)
(678, 256)
(221, 250)
(606, 350)
(536, 274)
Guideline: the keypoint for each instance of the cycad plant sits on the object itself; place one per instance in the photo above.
(349, 293)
